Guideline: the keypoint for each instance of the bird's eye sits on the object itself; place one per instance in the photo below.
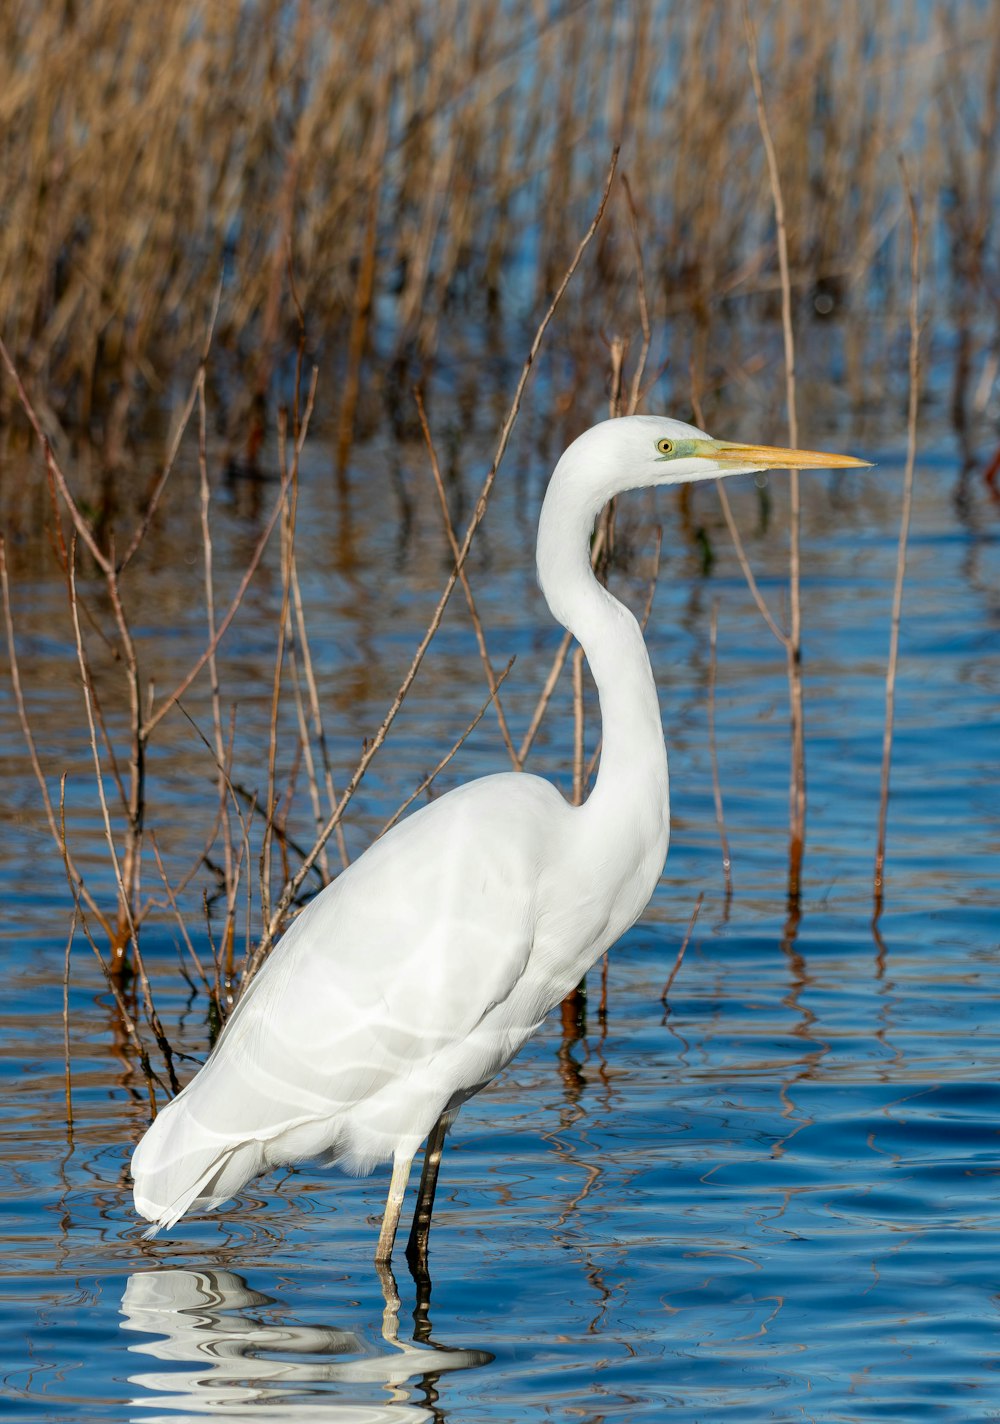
(665, 447)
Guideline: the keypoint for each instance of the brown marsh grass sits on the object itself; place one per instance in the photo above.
(427, 168)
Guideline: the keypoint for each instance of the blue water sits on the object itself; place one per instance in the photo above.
(776, 1200)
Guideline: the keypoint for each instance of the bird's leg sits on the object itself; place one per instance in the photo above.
(416, 1247)
(393, 1207)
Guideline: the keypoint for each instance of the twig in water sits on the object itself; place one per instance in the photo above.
(66, 1056)
(545, 696)
(155, 716)
(132, 799)
(222, 779)
(635, 389)
(793, 640)
(680, 953)
(172, 900)
(125, 902)
(124, 1017)
(582, 776)
(305, 747)
(319, 731)
(289, 481)
(720, 819)
(765, 613)
(56, 828)
(744, 563)
(431, 776)
(904, 530)
(449, 528)
(197, 392)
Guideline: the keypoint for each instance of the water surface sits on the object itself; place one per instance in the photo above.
(776, 1201)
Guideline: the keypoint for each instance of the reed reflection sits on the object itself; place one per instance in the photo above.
(239, 1352)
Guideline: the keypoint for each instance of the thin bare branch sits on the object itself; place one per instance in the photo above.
(904, 531)
(774, 178)
(124, 1017)
(744, 563)
(544, 697)
(154, 718)
(125, 903)
(431, 777)
(319, 730)
(196, 393)
(305, 744)
(449, 528)
(172, 899)
(635, 389)
(223, 784)
(720, 816)
(680, 953)
(734, 532)
(793, 642)
(55, 827)
(66, 1053)
(289, 480)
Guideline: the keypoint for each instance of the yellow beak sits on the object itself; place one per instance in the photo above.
(773, 457)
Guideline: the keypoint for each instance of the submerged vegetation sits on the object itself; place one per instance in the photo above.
(237, 233)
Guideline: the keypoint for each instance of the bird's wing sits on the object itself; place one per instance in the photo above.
(401, 956)
(394, 963)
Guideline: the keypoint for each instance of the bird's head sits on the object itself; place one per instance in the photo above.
(640, 452)
(637, 451)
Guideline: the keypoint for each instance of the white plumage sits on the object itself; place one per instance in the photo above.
(413, 978)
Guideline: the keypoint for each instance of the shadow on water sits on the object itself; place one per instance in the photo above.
(237, 1349)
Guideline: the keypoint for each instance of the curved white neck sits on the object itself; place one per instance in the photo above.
(632, 785)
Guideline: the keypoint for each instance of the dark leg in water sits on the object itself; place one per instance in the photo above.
(416, 1247)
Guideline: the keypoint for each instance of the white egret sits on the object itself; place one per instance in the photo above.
(409, 982)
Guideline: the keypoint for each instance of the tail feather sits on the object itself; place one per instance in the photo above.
(180, 1164)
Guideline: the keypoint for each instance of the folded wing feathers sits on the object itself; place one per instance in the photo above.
(326, 1056)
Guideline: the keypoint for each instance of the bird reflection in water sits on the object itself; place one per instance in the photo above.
(213, 1322)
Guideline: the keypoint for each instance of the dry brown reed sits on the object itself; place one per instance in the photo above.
(792, 640)
(67, 1070)
(720, 815)
(665, 995)
(424, 162)
(493, 682)
(904, 531)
